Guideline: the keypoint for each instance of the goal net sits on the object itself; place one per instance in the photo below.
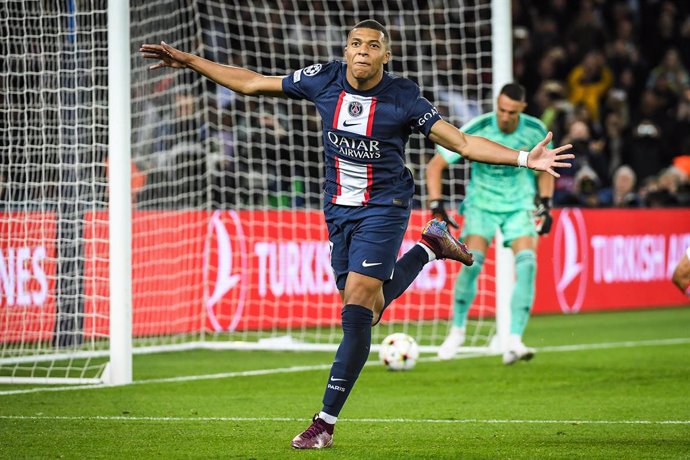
(229, 247)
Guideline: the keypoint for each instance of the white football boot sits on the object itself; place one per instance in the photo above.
(517, 351)
(449, 347)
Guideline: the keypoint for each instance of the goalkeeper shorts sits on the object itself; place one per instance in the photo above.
(484, 223)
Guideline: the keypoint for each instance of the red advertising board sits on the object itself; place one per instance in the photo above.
(244, 270)
(27, 276)
(604, 259)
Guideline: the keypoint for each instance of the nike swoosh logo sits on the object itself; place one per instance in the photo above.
(333, 379)
(345, 123)
(372, 264)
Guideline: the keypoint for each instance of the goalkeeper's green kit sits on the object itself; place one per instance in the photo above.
(499, 197)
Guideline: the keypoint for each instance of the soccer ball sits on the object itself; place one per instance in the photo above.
(399, 352)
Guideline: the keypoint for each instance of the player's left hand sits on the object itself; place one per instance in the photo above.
(543, 216)
(542, 158)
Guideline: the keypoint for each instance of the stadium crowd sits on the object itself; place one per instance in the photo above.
(610, 77)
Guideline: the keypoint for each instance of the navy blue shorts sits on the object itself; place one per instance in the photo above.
(365, 239)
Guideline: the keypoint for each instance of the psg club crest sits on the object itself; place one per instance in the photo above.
(355, 109)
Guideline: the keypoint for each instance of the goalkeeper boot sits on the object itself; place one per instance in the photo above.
(518, 352)
(319, 435)
(436, 237)
(449, 347)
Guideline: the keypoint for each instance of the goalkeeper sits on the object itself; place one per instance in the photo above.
(497, 197)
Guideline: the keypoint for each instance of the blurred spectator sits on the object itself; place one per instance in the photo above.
(617, 102)
(646, 150)
(668, 186)
(648, 187)
(622, 191)
(217, 134)
(681, 134)
(579, 136)
(622, 53)
(660, 25)
(613, 135)
(586, 32)
(597, 159)
(684, 40)
(670, 75)
(670, 179)
(553, 108)
(588, 83)
(586, 188)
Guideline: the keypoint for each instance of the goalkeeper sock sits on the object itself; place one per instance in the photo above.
(466, 289)
(523, 295)
(350, 357)
(406, 270)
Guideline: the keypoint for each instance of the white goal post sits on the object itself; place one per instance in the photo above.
(145, 211)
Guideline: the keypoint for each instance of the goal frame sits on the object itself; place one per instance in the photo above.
(118, 370)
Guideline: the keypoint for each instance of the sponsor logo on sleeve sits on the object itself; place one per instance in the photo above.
(312, 70)
(426, 117)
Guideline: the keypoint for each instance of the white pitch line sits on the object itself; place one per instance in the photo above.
(292, 369)
(352, 420)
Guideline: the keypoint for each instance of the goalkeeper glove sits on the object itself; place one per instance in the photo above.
(439, 213)
(543, 216)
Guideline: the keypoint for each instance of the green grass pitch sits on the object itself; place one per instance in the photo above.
(604, 385)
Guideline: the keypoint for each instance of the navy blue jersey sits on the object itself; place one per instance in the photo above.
(364, 133)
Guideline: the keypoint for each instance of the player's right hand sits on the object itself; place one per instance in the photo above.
(439, 213)
(168, 56)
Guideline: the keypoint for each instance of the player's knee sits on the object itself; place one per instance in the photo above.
(364, 291)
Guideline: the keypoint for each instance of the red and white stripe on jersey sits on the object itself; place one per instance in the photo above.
(354, 114)
(354, 183)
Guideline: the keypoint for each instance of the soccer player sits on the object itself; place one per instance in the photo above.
(681, 274)
(497, 197)
(368, 115)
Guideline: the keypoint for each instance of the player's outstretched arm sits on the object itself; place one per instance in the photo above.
(238, 79)
(476, 148)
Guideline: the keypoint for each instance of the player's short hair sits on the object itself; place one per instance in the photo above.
(373, 24)
(515, 91)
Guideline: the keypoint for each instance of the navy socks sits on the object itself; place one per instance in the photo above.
(354, 348)
(350, 357)
(406, 270)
